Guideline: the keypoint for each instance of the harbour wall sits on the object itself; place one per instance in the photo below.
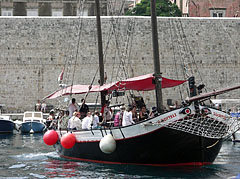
(33, 52)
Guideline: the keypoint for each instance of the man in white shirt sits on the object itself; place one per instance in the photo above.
(74, 122)
(86, 122)
(72, 107)
(127, 117)
(95, 120)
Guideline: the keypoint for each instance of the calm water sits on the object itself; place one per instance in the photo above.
(26, 156)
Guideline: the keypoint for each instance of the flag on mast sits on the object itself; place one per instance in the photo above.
(60, 77)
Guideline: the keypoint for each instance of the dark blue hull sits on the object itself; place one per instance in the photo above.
(35, 126)
(6, 126)
(164, 147)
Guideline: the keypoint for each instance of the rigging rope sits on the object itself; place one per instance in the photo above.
(111, 32)
(190, 52)
(174, 56)
(68, 63)
(81, 7)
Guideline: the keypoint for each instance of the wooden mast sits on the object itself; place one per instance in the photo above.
(100, 51)
(157, 73)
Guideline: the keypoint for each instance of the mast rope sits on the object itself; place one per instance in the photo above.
(174, 57)
(68, 63)
(190, 52)
(111, 32)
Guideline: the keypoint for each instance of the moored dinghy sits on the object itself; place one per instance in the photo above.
(33, 122)
(6, 124)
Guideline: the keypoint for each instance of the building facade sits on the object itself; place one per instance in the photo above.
(63, 7)
(214, 8)
(182, 5)
(50, 8)
(209, 8)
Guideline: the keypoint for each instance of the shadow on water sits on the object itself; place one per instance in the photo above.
(6, 136)
(66, 168)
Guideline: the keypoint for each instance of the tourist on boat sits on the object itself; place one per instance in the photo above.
(106, 113)
(52, 120)
(75, 122)
(95, 120)
(86, 122)
(51, 115)
(63, 120)
(134, 114)
(154, 112)
(84, 109)
(143, 113)
(127, 117)
(118, 117)
(72, 107)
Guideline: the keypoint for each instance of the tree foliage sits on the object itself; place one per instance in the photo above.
(163, 8)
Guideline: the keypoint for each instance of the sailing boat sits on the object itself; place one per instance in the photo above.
(190, 135)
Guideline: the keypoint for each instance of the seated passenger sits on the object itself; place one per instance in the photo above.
(63, 121)
(154, 112)
(134, 114)
(74, 122)
(143, 114)
(127, 117)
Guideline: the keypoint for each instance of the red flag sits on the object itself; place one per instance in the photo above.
(60, 78)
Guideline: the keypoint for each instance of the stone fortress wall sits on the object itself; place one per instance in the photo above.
(33, 52)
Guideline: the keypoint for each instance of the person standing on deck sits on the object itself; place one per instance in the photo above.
(63, 120)
(86, 122)
(95, 120)
(127, 117)
(119, 116)
(72, 107)
(84, 109)
(75, 122)
(106, 113)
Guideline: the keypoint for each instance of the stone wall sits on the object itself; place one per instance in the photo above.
(33, 52)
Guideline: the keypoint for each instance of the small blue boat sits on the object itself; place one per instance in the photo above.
(6, 124)
(33, 122)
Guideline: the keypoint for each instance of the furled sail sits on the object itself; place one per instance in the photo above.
(140, 83)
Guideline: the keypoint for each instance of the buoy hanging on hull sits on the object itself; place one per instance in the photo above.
(50, 137)
(107, 144)
(68, 140)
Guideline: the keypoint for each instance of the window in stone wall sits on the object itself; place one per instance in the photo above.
(7, 12)
(57, 12)
(217, 12)
(32, 12)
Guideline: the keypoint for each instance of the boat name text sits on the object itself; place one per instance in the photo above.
(219, 115)
(166, 118)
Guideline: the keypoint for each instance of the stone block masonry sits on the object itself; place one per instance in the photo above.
(33, 52)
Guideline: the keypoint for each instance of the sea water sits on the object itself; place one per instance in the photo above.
(26, 156)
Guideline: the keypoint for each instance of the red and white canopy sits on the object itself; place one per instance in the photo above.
(140, 83)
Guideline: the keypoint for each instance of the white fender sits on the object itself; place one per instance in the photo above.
(107, 144)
